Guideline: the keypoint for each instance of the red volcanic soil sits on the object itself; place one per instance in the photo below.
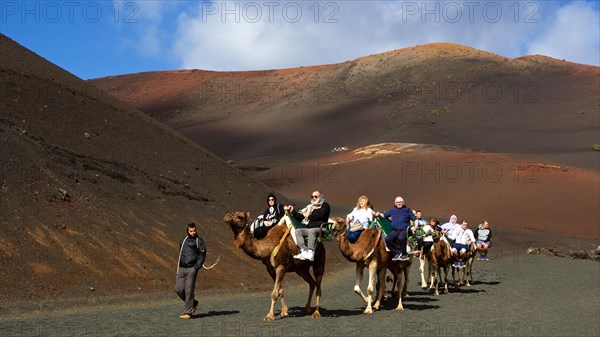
(513, 192)
(440, 93)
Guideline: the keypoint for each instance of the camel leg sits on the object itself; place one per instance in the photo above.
(435, 279)
(406, 271)
(470, 272)
(395, 291)
(453, 278)
(316, 313)
(445, 279)
(381, 287)
(400, 307)
(305, 274)
(318, 271)
(422, 270)
(279, 273)
(284, 308)
(430, 273)
(370, 288)
(359, 276)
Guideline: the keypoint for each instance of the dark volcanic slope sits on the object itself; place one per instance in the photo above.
(94, 194)
(442, 94)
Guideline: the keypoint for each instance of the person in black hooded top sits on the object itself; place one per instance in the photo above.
(271, 217)
(192, 253)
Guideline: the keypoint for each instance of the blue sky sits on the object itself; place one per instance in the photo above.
(102, 38)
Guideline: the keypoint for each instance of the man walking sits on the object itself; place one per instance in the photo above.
(192, 253)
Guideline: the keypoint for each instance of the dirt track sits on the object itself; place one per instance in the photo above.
(513, 295)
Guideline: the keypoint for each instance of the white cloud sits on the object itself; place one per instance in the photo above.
(574, 35)
(232, 36)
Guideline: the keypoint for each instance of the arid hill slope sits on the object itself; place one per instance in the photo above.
(442, 94)
(94, 194)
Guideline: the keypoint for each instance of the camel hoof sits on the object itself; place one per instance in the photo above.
(316, 314)
(368, 311)
(284, 315)
(400, 308)
(269, 318)
(424, 286)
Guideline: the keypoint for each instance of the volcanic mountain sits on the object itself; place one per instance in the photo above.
(95, 195)
(455, 130)
(443, 94)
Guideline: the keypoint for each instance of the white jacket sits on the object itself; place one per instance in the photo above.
(462, 236)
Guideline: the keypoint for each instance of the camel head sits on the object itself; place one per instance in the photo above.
(238, 221)
(339, 226)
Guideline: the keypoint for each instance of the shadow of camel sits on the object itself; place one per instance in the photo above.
(465, 290)
(413, 302)
(216, 313)
(489, 283)
(299, 312)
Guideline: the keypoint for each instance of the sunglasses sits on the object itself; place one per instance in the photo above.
(314, 196)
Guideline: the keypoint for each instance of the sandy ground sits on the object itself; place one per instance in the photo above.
(514, 294)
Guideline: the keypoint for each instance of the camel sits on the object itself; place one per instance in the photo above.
(281, 263)
(424, 258)
(441, 258)
(397, 268)
(465, 276)
(369, 252)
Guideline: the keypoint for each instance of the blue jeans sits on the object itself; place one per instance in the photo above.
(353, 236)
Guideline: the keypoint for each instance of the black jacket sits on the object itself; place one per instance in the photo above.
(192, 252)
(278, 214)
(317, 217)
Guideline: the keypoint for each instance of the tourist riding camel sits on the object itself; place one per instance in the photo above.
(276, 251)
(462, 237)
(483, 235)
(312, 216)
(401, 216)
(271, 217)
(359, 219)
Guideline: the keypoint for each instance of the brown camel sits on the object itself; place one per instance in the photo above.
(369, 252)
(441, 258)
(281, 263)
(397, 268)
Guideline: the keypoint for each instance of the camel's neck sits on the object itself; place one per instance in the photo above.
(347, 249)
(257, 249)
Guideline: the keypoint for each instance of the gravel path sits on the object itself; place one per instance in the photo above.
(513, 295)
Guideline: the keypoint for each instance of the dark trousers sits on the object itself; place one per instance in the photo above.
(184, 287)
(396, 237)
(262, 231)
